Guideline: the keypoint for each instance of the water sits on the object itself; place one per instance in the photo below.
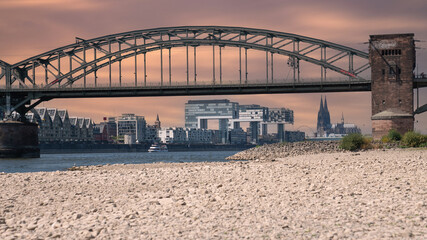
(55, 162)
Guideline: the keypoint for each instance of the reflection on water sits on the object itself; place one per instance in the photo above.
(54, 162)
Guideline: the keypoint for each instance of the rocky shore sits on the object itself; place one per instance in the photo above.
(341, 195)
(274, 151)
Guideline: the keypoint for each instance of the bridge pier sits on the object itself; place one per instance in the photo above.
(281, 132)
(392, 59)
(19, 140)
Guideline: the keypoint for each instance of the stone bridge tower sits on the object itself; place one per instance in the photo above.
(392, 59)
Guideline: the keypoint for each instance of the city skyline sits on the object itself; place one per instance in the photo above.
(36, 27)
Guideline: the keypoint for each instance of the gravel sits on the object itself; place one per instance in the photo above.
(365, 195)
(270, 152)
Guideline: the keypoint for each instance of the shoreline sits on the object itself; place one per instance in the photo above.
(363, 195)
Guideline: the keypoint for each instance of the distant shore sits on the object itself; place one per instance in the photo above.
(378, 194)
(57, 148)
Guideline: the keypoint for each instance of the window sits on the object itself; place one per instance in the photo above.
(394, 70)
(391, 52)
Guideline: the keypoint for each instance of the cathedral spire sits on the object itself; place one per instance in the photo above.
(320, 118)
(327, 117)
(326, 105)
(321, 104)
(342, 118)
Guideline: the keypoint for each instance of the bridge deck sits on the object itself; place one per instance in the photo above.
(420, 82)
(199, 89)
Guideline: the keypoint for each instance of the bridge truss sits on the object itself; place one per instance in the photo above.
(64, 72)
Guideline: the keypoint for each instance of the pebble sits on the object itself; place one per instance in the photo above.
(31, 227)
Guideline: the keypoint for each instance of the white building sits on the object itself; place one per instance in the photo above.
(129, 139)
(130, 124)
(173, 135)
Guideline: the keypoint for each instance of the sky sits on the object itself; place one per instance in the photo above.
(29, 27)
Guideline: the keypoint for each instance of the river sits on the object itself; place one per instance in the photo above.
(60, 162)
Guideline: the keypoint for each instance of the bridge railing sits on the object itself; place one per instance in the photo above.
(421, 76)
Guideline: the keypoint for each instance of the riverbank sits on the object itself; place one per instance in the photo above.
(365, 195)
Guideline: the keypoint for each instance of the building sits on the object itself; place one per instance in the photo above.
(323, 118)
(195, 135)
(238, 136)
(230, 116)
(326, 129)
(198, 112)
(129, 139)
(106, 132)
(151, 134)
(45, 124)
(173, 135)
(284, 115)
(216, 137)
(81, 126)
(341, 129)
(56, 126)
(111, 128)
(66, 124)
(130, 124)
(157, 123)
(152, 131)
(100, 133)
(253, 112)
(89, 128)
(294, 136)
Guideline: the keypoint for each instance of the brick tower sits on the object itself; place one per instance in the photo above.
(392, 59)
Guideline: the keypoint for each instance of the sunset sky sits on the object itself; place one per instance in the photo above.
(31, 27)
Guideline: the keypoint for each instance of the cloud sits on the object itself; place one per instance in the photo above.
(73, 5)
(31, 27)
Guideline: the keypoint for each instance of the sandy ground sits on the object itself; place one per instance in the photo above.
(366, 195)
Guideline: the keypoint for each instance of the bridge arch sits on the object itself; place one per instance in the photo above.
(130, 44)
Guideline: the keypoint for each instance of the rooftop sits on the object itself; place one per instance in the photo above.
(208, 101)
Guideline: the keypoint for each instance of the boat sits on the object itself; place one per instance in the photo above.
(158, 148)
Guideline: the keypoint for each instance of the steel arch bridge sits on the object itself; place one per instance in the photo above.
(64, 72)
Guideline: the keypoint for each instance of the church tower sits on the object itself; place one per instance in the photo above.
(327, 117)
(320, 118)
(323, 118)
(157, 123)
